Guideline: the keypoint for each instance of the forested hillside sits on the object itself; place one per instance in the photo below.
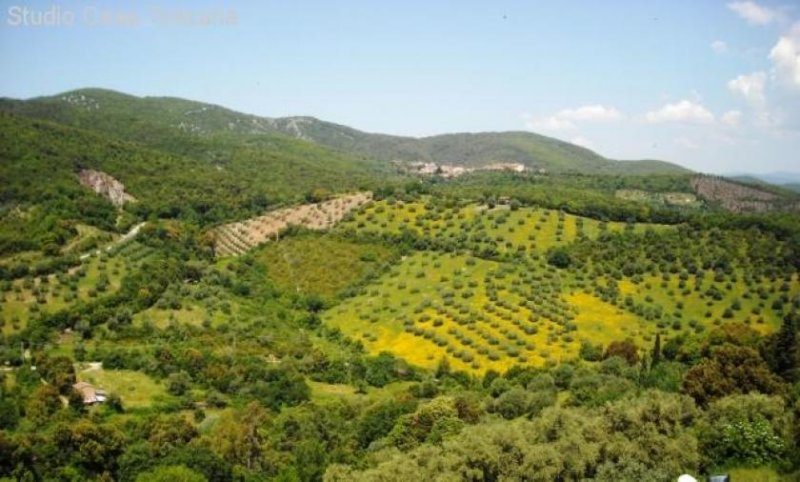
(42, 197)
(164, 122)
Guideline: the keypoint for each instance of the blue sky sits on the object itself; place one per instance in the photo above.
(711, 85)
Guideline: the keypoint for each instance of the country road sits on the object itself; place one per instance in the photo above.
(125, 237)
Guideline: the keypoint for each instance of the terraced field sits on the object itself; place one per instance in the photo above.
(501, 229)
(236, 238)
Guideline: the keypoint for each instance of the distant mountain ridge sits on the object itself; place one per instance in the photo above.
(786, 179)
(145, 119)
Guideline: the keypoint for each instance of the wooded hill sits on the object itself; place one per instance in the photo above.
(164, 121)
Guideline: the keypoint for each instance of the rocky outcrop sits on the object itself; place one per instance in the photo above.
(106, 186)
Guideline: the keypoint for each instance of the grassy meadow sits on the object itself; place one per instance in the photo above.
(320, 265)
(136, 389)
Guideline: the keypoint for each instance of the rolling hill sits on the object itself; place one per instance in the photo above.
(185, 127)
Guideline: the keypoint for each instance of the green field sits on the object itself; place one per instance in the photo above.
(136, 389)
(330, 392)
(320, 265)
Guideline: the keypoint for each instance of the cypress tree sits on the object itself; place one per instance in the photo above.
(785, 349)
(656, 351)
(443, 369)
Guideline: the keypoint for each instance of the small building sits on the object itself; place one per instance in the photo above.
(90, 394)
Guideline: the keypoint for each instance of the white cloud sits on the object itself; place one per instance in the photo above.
(732, 118)
(785, 56)
(566, 118)
(719, 46)
(551, 123)
(590, 113)
(754, 13)
(683, 111)
(751, 87)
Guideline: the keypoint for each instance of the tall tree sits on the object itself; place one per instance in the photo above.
(785, 349)
(656, 351)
